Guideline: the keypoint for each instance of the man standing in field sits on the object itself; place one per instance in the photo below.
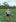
(7, 12)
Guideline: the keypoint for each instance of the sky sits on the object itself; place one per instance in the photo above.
(10, 2)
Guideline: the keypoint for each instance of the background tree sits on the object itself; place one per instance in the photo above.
(6, 4)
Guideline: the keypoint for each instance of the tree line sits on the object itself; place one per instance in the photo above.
(6, 6)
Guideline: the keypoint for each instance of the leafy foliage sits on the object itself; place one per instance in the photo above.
(11, 17)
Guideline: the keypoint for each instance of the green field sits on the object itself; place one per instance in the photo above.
(11, 17)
